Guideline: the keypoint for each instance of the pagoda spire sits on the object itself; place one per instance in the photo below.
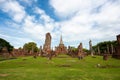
(61, 41)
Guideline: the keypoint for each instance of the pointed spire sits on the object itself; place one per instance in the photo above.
(61, 41)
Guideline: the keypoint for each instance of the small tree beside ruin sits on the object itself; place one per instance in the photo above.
(31, 46)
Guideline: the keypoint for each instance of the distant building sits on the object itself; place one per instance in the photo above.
(61, 48)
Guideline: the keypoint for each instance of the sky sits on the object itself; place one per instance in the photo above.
(23, 21)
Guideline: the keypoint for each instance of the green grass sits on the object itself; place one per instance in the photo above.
(62, 67)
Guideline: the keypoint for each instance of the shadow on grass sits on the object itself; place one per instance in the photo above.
(109, 66)
(64, 65)
(3, 59)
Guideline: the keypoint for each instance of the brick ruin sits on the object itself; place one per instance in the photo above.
(61, 48)
(46, 50)
(116, 54)
(80, 51)
(5, 53)
(47, 45)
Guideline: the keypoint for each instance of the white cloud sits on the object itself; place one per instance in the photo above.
(38, 28)
(43, 15)
(31, 26)
(28, 2)
(81, 20)
(16, 41)
(66, 8)
(109, 13)
(89, 19)
(14, 9)
(34, 29)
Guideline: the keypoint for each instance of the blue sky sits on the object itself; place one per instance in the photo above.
(23, 21)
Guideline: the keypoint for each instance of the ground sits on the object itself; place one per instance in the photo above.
(62, 67)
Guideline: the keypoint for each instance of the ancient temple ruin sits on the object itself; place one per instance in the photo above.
(61, 48)
(116, 54)
(47, 45)
(80, 51)
(5, 52)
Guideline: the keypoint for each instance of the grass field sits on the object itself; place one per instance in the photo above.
(62, 67)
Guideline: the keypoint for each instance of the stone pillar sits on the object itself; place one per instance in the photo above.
(98, 50)
(32, 51)
(80, 51)
(40, 51)
(118, 39)
(24, 51)
(105, 57)
(108, 49)
(112, 49)
(117, 48)
(91, 49)
(69, 49)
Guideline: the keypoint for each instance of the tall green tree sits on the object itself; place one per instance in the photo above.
(4, 43)
(31, 46)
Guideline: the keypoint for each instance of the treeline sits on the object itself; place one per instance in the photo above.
(105, 47)
(84, 49)
(102, 47)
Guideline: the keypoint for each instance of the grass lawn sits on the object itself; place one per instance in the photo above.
(62, 67)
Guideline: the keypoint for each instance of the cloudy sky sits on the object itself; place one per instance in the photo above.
(23, 21)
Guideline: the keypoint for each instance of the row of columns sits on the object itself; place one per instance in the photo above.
(98, 49)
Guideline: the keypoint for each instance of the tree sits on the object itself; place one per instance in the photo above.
(86, 50)
(74, 49)
(103, 46)
(31, 46)
(4, 43)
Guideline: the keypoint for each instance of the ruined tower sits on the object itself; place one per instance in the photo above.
(80, 51)
(47, 45)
